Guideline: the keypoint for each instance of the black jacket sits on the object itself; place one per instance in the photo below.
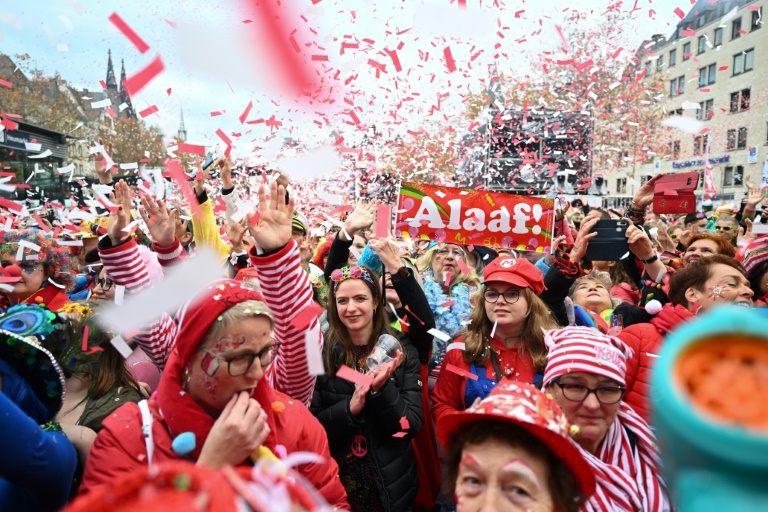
(392, 458)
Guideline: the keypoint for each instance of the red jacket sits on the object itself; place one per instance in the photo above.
(451, 387)
(120, 447)
(645, 341)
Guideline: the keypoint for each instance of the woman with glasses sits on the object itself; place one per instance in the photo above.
(218, 402)
(504, 338)
(35, 270)
(586, 377)
(448, 284)
(369, 424)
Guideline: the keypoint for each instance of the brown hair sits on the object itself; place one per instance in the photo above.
(537, 319)
(565, 492)
(338, 331)
(110, 373)
(724, 246)
(695, 275)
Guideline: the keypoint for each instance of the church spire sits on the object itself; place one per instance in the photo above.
(111, 81)
(182, 134)
(124, 97)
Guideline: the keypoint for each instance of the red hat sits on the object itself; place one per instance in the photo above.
(515, 271)
(174, 486)
(194, 320)
(523, 405)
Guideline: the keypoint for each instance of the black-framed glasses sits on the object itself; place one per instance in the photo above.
(607, 395)
(510, 296)
(106, 283)
(238, 365)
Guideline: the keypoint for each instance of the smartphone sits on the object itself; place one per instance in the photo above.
(610, 244)
(208, 161)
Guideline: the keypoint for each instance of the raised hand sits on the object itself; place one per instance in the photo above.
(202, 176)
(357, 401)
(381, 376)
(639, 243)
(273, 229)
(360, 218)
(120, 218)
(389, 252)
(236, 231)
(105, 175)
(746, 236)
(644, 195)
(159, 220)
(240, 429)
(754, 195)
(582, 239)
(665, 240)
(225, 169)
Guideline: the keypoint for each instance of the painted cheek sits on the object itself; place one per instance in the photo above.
(211, 385)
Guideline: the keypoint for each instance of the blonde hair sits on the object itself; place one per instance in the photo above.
(237, 313)
(537, 319)
(470, 279)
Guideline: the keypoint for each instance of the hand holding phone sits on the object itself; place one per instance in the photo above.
(610, 242)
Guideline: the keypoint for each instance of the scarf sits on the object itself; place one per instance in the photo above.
(627, 479)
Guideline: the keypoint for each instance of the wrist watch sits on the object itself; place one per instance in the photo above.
(651, 259)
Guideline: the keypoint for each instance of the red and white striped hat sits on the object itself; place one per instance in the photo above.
(755, 254)
(584, 349)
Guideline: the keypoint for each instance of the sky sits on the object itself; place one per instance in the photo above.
(218, 57)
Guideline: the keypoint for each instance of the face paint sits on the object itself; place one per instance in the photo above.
(716, 292)
(520, 467)
(468, 460)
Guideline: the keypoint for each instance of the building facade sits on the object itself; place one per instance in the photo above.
(715, 70)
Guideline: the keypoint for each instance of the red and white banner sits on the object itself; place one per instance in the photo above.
(466, 216)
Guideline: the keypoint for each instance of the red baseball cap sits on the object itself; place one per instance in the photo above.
(515, 271)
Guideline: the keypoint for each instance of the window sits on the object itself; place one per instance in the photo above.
(730, 143)
(706, 110)
(728, 176)
(647, 68)
(743, 62)
(718, 36)
(672, 58)
(712, 70)
(755, 21)
(677, 86)
(740, 100)
(676, 150)
(660, 63)
(677, 112)
(701, 20)
(698, 145)
(702, 44)
(707, 75)
(741, 143)
(686, 51)
(701, 175)
(736, 29)
(621, 185)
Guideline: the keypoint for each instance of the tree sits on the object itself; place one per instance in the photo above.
(424, 156)
(131, 138)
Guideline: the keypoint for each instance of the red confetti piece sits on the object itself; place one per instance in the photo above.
(448, 304)
(195, 149)
(103, 85)
(449, 62)
(383, 220)
(6, 83)
(459, 371)
(139, 80)
(10, 205)
(128, 32)
(395, 59)
(722, 68)
(400, 434)
(302, 320)
(41, 224)
(168, 91)
(463, 266)
(85, 338)
(245, 113)
(448, 276)
(679, 12)
(348, 374)
(173, 168)
(414, 314)
(148, 111)
(223, 136)
(404, 424)
(320, 58)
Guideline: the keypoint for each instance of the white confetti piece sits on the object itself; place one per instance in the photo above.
(69, 243)
(44, 154)
(68, 168)
(354, 252)
(686, 124)
(122, 106)
(62, 47)
(65, 20)
(439, 334)
(102, 103)
(29, 245)
(33, 146)
(121, 346)
(314, 355)
(132, 165)
(119, 294)
(182, 282)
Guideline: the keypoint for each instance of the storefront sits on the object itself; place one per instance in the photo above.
(17, 151)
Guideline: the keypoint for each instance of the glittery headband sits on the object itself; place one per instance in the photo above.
(353, 272)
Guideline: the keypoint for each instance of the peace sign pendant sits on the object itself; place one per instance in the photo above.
(359, 446)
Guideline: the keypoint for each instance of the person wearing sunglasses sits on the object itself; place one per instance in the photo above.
(728, 226)
(503, 339)
(585, 375)
(219, 402)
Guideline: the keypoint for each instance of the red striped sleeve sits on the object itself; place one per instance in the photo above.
(287, 292)
(169, 256)
(124, 265)
(158, 340)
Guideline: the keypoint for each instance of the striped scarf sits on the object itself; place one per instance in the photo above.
(627, 480)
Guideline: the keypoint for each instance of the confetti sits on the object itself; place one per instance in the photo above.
(135, 83)
(148, 111)
(128, 32)
(121, 346)
(313, 348)
(304, 318)
(348, 374)
(439, 334)
(459, 371)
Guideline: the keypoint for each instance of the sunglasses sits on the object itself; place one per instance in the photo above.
(724, 228)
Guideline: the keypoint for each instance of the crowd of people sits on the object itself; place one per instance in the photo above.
(521, 381)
